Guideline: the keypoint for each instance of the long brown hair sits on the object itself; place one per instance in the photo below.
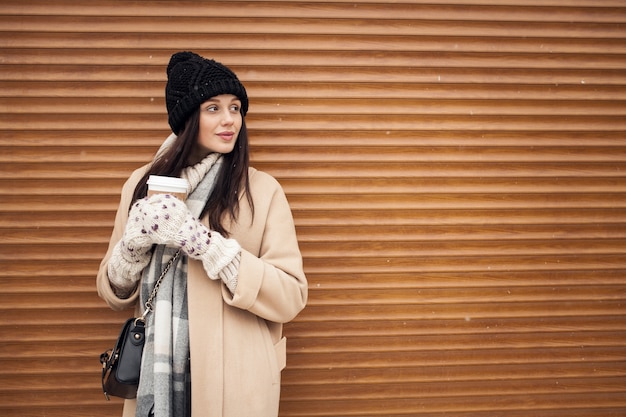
(231, 180)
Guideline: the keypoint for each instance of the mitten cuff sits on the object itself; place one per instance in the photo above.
(124, 269)
(230, 273)
(219, 254)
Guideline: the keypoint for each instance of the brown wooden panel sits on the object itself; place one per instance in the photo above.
(456, 171)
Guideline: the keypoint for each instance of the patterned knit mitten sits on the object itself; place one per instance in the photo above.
(131, 254)
(168, 221)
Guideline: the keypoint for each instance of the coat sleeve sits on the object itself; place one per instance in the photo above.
(102, 280)
(271, 285)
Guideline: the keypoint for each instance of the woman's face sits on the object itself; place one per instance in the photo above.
(220, 123)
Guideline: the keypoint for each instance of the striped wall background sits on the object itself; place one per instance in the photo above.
(456, 169)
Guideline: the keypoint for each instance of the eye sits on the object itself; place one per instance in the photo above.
(234, 108)
(211, 109)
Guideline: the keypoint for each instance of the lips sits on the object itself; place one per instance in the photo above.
(227, 136)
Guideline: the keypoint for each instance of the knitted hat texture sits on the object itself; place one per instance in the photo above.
(192, 80)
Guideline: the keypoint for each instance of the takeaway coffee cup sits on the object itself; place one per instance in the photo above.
(167, 185)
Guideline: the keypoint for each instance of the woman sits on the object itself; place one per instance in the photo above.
(214, 340)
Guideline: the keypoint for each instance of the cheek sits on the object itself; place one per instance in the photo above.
(207, 124)
(206, 129)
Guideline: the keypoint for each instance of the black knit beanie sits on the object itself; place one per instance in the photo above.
(192, 80)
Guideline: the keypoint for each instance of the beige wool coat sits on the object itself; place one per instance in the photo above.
(236, 343)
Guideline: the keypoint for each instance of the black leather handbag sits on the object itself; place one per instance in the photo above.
(122, 364)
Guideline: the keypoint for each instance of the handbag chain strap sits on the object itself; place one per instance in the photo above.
(149, 306)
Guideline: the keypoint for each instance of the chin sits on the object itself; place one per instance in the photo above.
(225, 149)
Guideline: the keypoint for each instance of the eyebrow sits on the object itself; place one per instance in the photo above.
(213, 100)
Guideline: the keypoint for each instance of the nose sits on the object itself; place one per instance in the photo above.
(228, 118)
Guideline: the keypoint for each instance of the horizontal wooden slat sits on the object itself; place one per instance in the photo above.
(146, 50)
(316, 73)
(469, 11)
(418, 60)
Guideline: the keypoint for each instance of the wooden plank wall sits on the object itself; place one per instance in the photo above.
(457, 171)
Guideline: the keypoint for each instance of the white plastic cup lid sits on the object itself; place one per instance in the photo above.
(167, 184)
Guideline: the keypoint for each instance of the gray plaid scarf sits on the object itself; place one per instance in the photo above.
(165, 385)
